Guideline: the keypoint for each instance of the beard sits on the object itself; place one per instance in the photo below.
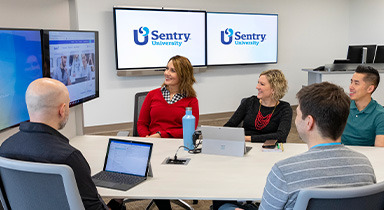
(64, 122)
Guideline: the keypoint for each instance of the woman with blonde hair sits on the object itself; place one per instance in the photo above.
(265, 116)
(163, 108)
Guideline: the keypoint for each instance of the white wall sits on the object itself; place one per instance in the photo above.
(47, 14)
(311, 33)
(366, 22)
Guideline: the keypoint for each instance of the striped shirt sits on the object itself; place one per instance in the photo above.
(324, 166)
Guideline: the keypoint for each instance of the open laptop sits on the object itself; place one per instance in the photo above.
(126, 165)
(224, 141)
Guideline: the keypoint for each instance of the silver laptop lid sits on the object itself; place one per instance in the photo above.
(223, 140)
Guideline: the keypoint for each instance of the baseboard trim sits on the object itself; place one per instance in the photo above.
(108, 128)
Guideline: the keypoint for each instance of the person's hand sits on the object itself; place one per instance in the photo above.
(238, 209)
(248, 138)
(155, 135)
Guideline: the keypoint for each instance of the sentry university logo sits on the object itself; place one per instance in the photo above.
(168, 39)
(240, 38)
(144, 31)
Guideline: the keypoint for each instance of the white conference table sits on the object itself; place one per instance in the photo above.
(206, 177)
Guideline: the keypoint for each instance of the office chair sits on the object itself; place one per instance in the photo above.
(242, 122)
(368, 197)
(139, 100)
(30, 185)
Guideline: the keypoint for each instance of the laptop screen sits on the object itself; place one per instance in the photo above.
(128, 157)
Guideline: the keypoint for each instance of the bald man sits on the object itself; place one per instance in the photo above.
(39, 141)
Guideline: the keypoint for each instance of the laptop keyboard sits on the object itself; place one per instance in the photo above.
(117, 178)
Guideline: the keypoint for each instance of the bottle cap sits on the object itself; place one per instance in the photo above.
(189, 109)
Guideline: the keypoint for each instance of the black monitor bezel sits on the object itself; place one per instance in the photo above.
(155, 9)
(46, 61)
(245, 64)
(354, 57)
(380, 52)
(42, 62)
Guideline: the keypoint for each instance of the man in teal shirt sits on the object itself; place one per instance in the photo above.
(365, 124)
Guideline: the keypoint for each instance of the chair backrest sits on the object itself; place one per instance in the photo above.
(242, 122)
(368, 197)
(30, 185)
(139, 100)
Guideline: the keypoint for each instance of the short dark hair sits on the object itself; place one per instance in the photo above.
(371, 75)
(328, 104)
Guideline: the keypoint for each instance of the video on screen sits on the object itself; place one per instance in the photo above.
(72, 61)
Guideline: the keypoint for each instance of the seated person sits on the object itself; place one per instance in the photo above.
(265, 116)
(39, 141)
(321, 117)
(85, 69)
(163, 108)
(62, 73)
(365, 125)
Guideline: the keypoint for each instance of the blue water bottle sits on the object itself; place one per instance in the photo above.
(188, 128)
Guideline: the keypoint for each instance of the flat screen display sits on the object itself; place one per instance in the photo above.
(355, 53)
(72, 58)
(239, 38)
(379, 57)
(148, 38)
(20, 64)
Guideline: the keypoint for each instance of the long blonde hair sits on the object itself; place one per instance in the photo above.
(184, 70)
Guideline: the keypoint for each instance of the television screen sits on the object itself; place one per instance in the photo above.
(20, 64)
(355, 53)
(72, 58)
(379, 57)
(148, 38)
(240, 38)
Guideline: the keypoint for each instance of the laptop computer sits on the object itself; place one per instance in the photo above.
(126, 165)
(224, 141)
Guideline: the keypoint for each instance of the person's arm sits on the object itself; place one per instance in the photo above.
(282, 131)
(239, 115)
(144, 117)
(379, 141)
(87, 188)
(379, 122)
(68, 81)
(275, 194)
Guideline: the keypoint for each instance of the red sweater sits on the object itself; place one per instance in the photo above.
(157, 115)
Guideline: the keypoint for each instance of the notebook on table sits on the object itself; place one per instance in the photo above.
(224, 141)
(127, 164)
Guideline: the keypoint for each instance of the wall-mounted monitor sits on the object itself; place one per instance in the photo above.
(148, 38)
(72, 57)
(20, 64)
(355, 53)
(241, 38)
(379, 57)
